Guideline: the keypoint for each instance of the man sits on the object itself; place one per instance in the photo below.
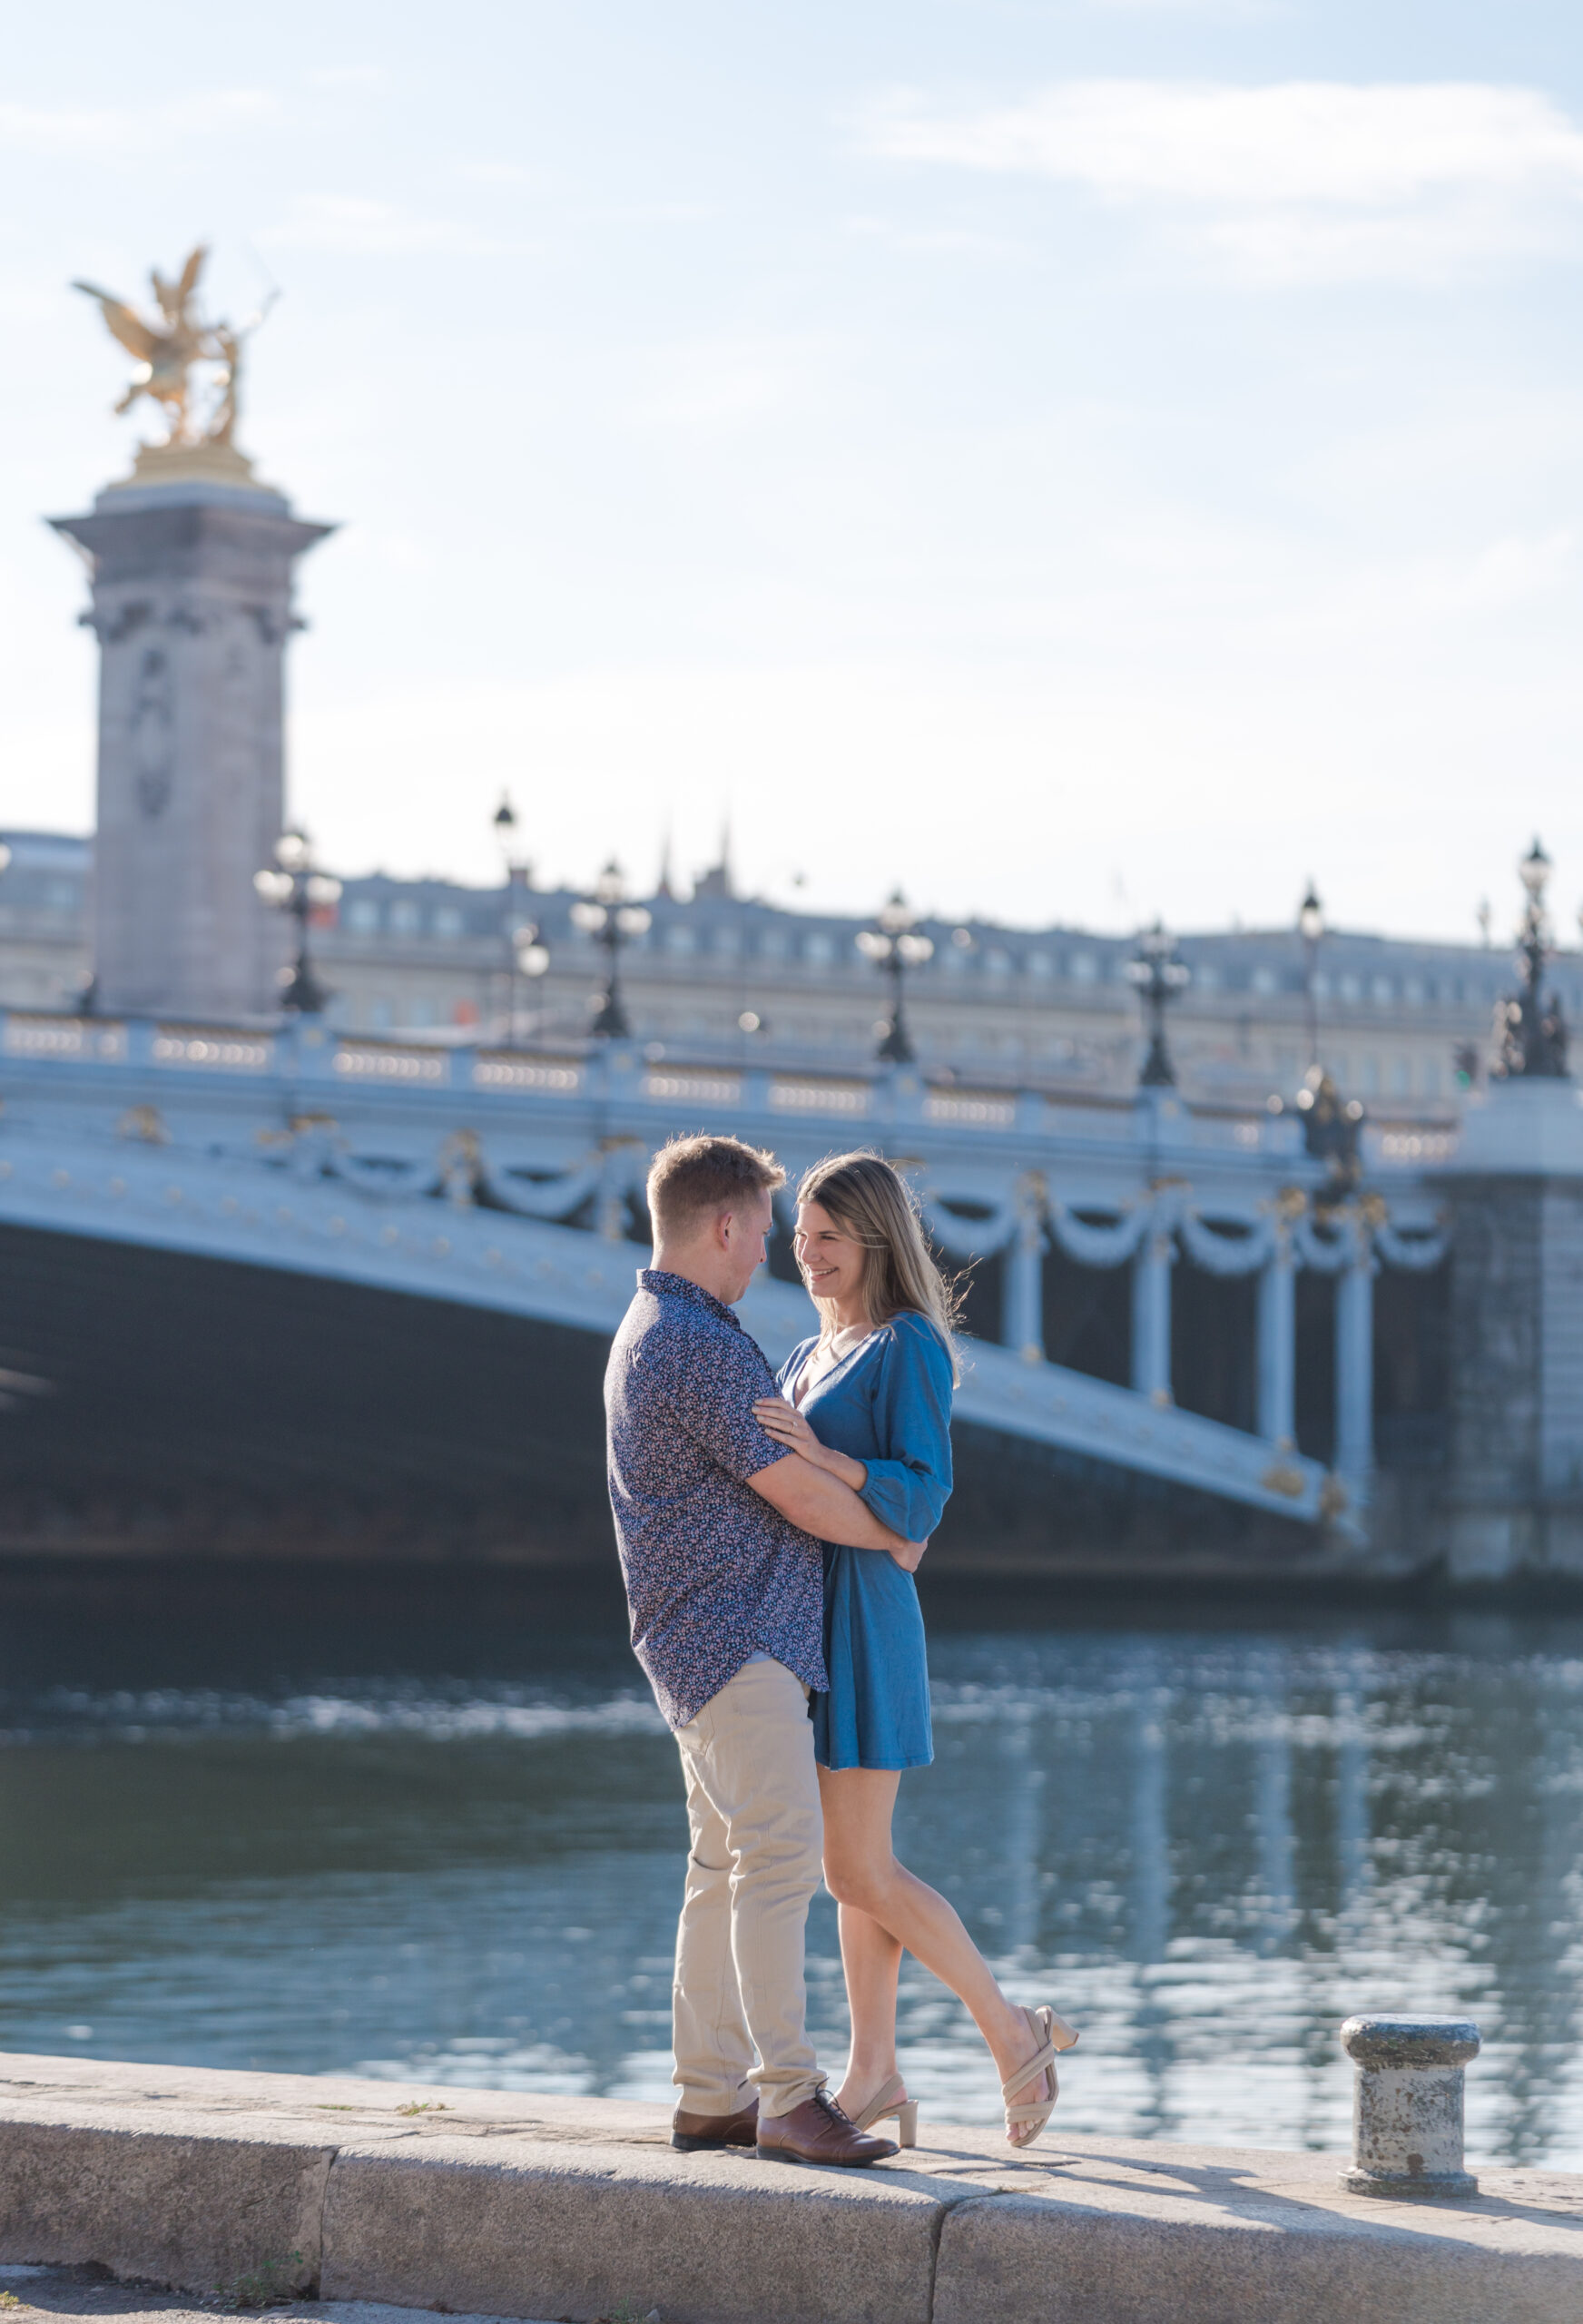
(719, 1531)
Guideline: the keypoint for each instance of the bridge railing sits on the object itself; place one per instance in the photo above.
(1006, 1176)
(312, 1050)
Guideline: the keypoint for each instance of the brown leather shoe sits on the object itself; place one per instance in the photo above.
(818, 2131)
(695, 2132)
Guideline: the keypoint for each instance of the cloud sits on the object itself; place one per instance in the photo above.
(1296, 180)
(355, 226)
(950, 242)
(726, 381)
(348, 76)
(100, 130)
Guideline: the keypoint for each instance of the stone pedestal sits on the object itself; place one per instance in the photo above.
(1406, 2106)
(192, 604)
(1514, 1482)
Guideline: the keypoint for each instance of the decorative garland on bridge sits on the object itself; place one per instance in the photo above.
(1329, 1248)
(1325, 1245)
(1093, 1246)
(1226, 1254)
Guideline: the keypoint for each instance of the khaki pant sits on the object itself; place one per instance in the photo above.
(757, 1837)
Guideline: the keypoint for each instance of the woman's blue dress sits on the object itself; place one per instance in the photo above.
(888, 1403)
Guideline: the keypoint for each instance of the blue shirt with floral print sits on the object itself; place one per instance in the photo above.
(713, 1574)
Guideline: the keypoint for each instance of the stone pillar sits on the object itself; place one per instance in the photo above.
(1023, 1308)
(1355, 1367)
(1277, 1325)
(192, 604)
(1514, 1475)
(1407, 2105)
(1151, 1314)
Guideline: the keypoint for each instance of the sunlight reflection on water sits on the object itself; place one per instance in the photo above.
(1207, 1849)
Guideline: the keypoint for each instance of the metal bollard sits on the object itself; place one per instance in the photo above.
(1407, 2105)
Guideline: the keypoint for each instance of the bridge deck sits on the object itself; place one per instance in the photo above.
(292, 1210)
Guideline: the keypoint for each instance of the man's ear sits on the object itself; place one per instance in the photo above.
(724, 1223)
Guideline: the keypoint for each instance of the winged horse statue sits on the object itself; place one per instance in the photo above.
(167, 345)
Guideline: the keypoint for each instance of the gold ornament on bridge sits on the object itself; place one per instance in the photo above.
(169, 346)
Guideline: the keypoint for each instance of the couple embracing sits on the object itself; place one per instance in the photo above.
(769, 1529)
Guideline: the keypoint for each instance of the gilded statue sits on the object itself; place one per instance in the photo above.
(168, 344)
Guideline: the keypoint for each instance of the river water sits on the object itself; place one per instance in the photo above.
(428, 1830)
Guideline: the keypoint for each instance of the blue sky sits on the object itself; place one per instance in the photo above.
(1080, 460)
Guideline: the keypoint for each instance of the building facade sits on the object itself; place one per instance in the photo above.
(716, 977)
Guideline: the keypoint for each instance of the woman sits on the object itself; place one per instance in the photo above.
(870, 1399)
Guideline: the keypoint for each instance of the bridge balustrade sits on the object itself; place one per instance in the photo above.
(1003, 1175)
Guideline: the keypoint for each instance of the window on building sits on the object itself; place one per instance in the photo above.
(772, 944)
(1381, 988)
(447, 920)
(1431, 1077)
(381, 1014)
(420, 1010)
(1349, 987)
(1265, 980)
(1206, 976)
(818, 947)
(1370, 1076)
(406, 916)
(1038, 966)
(1084, 968)
(1401, 1076)
(363, 915)
(997, 962)
(1412, 993)
(679, 938)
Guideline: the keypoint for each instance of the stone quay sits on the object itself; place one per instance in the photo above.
(511, 2205)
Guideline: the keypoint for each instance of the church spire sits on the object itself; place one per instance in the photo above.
(717, 881)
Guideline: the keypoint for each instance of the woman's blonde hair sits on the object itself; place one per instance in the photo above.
(874, 1204)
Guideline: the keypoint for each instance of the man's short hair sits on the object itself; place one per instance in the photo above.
(695, 1179)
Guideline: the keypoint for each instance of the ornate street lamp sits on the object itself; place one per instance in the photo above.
(1161, 978)
(292, 884)
(895, 947)
(504, 820)
(1332, 1128)
(1533, 1034)
(526, 956)
(1311, 929)
(529, 959)
(613, 922)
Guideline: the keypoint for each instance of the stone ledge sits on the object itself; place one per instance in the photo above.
(515, 2205)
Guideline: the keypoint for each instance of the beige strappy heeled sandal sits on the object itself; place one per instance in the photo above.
(1026, 2122)
(892, 2099)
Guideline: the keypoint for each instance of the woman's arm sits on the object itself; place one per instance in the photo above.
(909, 1489)
(786, 1425)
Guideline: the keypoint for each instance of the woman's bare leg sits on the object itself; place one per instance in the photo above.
(884, 1908)
(871, 1963)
